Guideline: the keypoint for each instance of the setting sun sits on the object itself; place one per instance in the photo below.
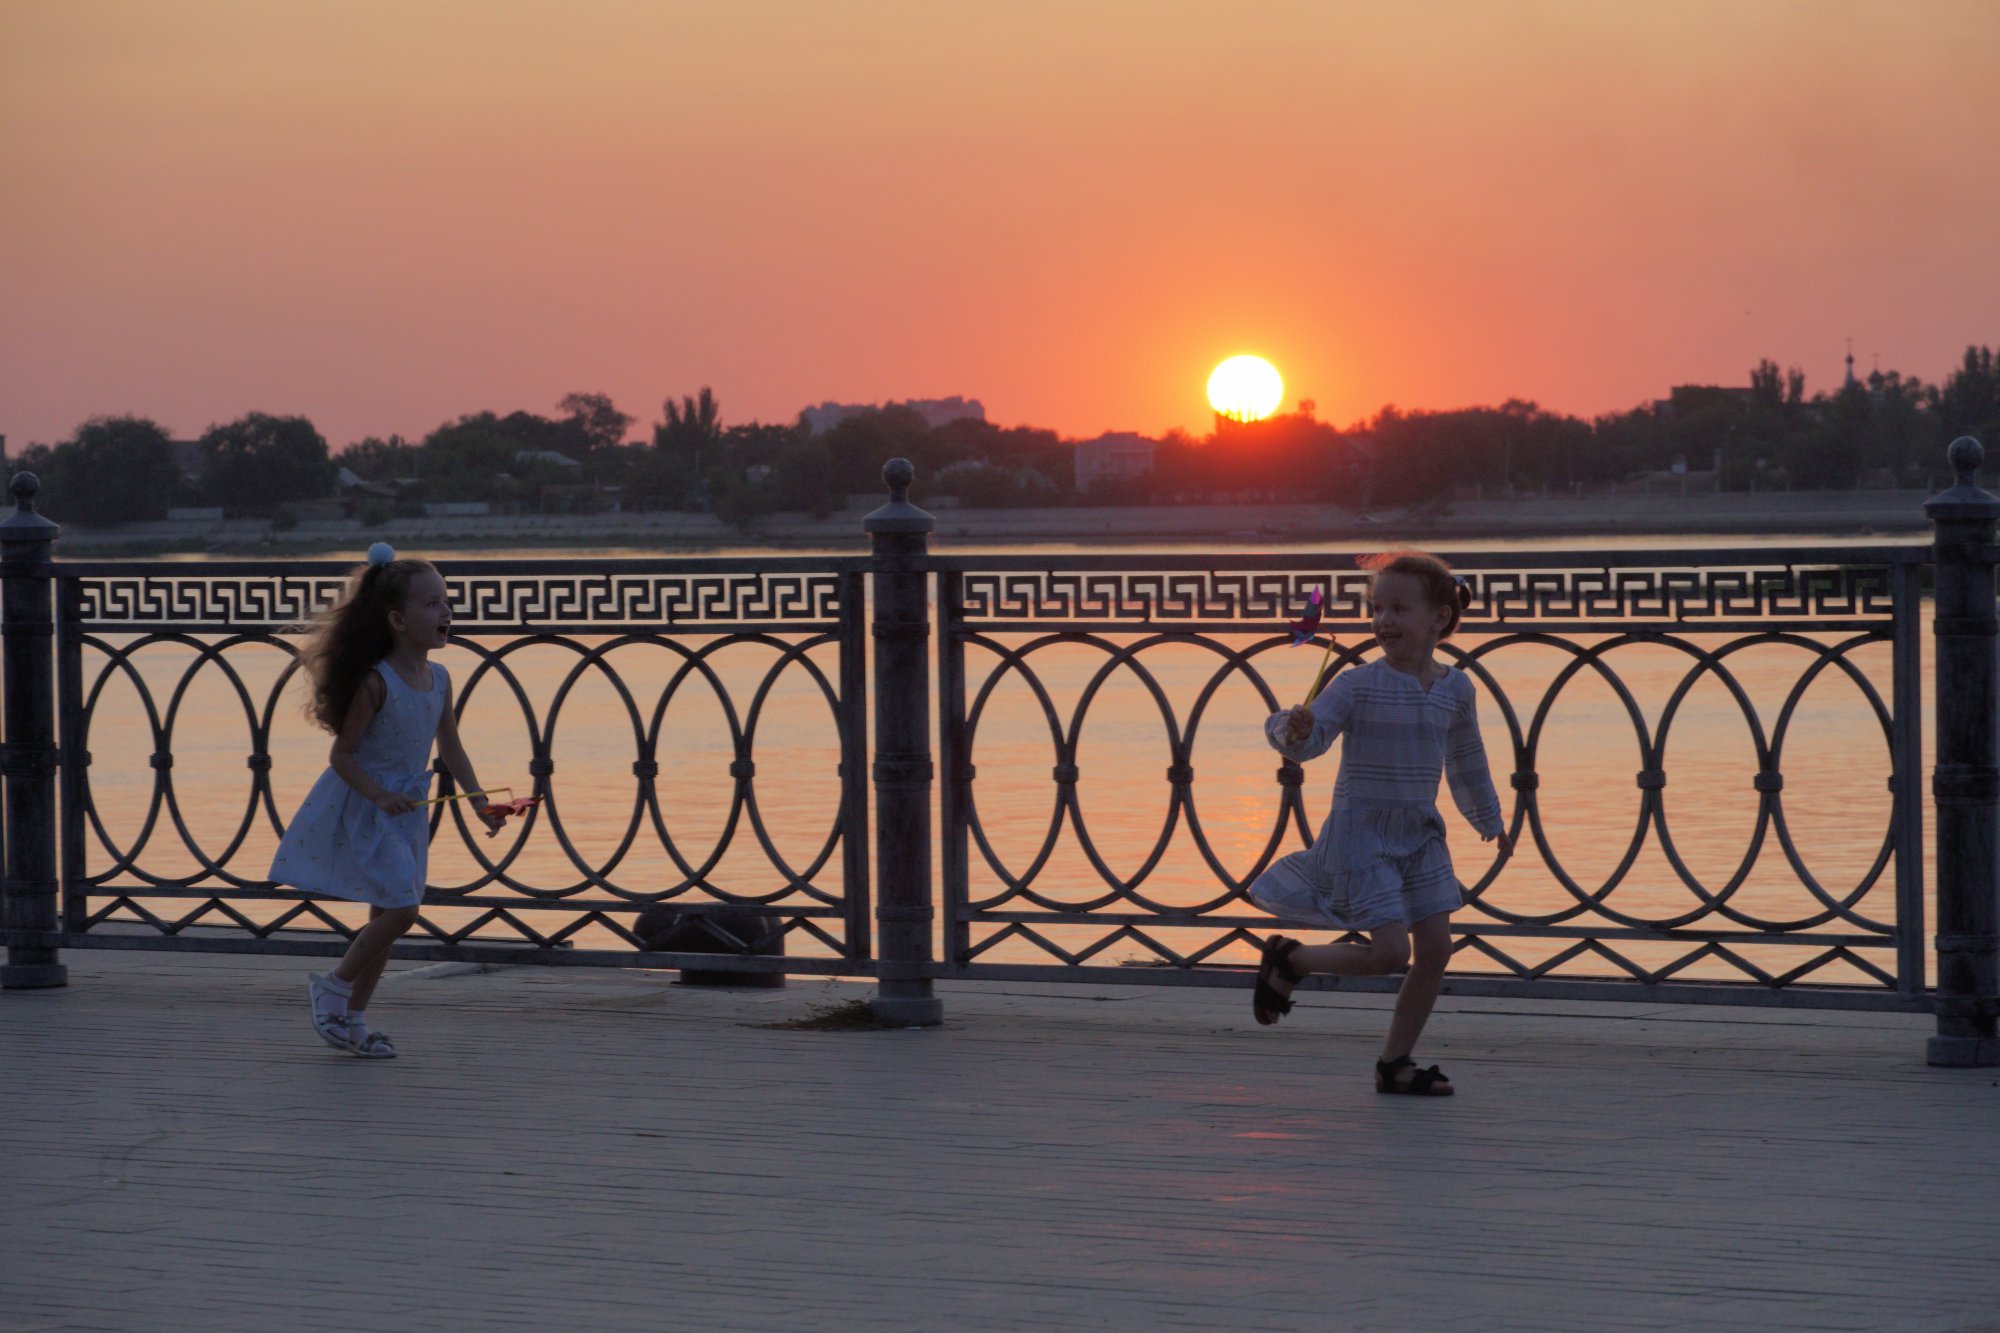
(1245, 388)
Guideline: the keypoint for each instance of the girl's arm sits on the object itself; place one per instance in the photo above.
(1325, 718)
(452, 751)
(1465, 769)
(367, 700)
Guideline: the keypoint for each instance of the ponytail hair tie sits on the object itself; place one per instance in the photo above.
(381, 553)
(1464, 592)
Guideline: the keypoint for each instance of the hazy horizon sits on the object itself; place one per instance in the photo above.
(384, 216)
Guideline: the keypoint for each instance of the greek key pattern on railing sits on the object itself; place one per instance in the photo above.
(1666, 596)
(667, 599)
(198, 601)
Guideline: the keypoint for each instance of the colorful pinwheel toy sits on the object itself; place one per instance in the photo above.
(505, 809)
(1303, 631)
(508, 809)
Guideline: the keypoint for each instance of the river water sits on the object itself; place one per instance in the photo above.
(1836, 764)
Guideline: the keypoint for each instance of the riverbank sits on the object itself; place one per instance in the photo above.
(1858, 514)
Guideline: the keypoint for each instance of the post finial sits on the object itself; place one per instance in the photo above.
(1964, 501)
(1966, 456)
(899, 515)
(25, 533)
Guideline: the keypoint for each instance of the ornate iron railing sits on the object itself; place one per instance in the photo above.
(1010, 623)
(1660, 919)
(164, 632)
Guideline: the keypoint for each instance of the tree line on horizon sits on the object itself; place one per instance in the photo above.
(1884, 430)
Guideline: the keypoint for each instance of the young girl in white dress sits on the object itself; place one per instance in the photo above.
(1379, 864)
(360, 834)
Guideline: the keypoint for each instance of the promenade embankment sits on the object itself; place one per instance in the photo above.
(569, 1148)
(1835, 513)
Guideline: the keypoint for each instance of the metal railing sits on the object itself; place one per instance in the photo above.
(1707, 608)
(161, 631)
(844, 628)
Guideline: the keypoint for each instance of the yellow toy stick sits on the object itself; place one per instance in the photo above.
(461, 795)
(1320, 674)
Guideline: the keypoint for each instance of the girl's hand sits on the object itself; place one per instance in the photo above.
(1506, 842)
(489, 817)
(1298, 723)
(394, 803)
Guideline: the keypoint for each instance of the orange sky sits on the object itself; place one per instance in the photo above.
(385, 214)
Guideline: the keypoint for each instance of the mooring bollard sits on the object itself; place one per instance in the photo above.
(902, 769)
(1966, 781)
(28, 758)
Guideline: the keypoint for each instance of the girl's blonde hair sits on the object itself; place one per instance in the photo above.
(350, 637)
(1441, 587)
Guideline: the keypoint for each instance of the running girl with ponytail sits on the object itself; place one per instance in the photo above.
(359, 834)
(1380, 865)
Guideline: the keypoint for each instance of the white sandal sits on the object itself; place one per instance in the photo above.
(331, 1027)
(335, 1030)
(370, 1044)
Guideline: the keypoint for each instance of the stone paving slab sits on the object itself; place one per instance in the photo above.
(610, 1149)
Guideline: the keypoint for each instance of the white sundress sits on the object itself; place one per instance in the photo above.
(1380, 857)
(339, 844)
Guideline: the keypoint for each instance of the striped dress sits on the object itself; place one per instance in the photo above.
(1381, 857)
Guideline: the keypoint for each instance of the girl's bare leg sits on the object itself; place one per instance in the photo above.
(1432, 940)
(361, 966)
(1387, 950)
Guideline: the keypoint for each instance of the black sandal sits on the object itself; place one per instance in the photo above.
(1265, 1003)
(1423, 1083)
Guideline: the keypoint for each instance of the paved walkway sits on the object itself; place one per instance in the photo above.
(560, 1148)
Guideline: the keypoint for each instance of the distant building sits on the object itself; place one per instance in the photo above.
(1114, 456)
(552, 456)
(581, 497)
(1687, 399)
(935, 411)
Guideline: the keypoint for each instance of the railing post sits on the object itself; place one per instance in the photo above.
(1966, 781)
(28, 756)
(902, 768)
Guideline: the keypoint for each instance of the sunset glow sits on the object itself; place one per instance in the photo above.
(383, 215)
(1245, 388)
